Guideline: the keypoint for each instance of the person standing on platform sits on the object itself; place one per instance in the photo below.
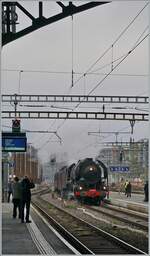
(128, 189)
(9, 189)
(125, 186)
(16, 193)
(146, 191)
(121, 186)
(26, 185)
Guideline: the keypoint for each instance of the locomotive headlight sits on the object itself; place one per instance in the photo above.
(80, 188)
(104, 187)
(91, 169)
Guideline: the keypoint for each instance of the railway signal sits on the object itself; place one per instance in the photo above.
(16, 125)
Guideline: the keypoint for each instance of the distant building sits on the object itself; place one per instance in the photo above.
(134, 155)
(27, 163)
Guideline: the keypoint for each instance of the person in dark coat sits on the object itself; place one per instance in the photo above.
(9, 189)
(128, 189)
(146, 191)
(26, 185)
(16, 193)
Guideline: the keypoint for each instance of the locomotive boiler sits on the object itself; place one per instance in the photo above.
(88, 180)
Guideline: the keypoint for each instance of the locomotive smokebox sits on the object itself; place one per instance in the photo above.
(89, 170)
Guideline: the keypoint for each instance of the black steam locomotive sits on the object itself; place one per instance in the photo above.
(88, 180)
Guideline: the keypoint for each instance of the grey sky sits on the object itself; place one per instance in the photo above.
(50, 49)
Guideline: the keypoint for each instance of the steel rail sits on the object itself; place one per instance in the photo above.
(113, 243)
(130, 218)
(64, 232)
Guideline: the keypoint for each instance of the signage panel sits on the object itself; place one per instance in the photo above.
(11, 143)
(119, 168)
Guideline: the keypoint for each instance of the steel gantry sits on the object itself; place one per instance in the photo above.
(75, 115)
(74, 98)
(115, 133)
(10, 17)
(104, 115)
(120, 144)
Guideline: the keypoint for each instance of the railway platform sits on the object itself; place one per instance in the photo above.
(33, 238)
(38, 237)
(16, 238)
(136, 202)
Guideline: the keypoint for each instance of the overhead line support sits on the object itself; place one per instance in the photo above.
(75, 98)
(122, 143)
(41, 21)
(76, 115)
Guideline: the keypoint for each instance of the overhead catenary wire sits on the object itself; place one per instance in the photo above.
(100, 58)
(120, 35)
(84, 86)
(93, 143)
(117, 39)
(78, 73)
(106, 137)
(112, 58)
(19, 87)
(115, 42)
(71, 108)
(125, 29)
(72, 39)
(72, 73)
(147, 28)
(100, 82)
(112, 61)
(95, 87)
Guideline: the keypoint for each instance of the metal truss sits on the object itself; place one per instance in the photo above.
(10, 17)
(115, 133)
(73, 98)
(120, 144)
(74, 115)
(99, 132)
(38, 131)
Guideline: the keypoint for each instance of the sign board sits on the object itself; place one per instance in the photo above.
(119, 168)
(14, 142)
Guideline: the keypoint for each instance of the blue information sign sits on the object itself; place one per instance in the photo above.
(12, 143)
(119, 168)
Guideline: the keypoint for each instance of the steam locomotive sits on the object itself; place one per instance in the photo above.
(88, 180)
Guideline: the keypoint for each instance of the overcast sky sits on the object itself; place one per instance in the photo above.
(50, 49)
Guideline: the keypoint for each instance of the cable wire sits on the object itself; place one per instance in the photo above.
(77, 73)
(97, 85)
(117, 39)
(100, 82)
(72, 51)
(104, 55)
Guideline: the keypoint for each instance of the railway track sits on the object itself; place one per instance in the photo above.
(85, 237)
(132, 218)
